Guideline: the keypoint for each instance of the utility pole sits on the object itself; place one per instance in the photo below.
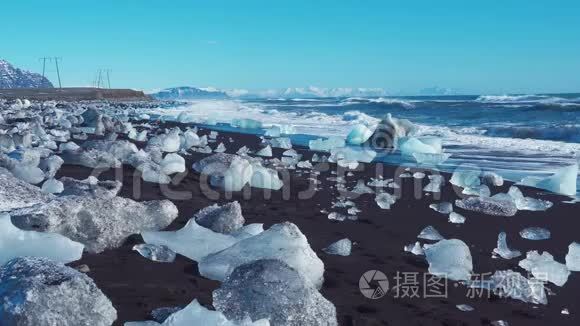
(56, 59)
(43, 59)
(109, 77)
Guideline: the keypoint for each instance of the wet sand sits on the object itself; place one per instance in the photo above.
(136, 285)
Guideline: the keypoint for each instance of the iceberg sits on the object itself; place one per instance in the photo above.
(431, 158)
(341, 247)
(430, 233)
(265, 152)
(535, 233)
(97, 222)
(271, 289)
(415, 249)
(38, 291)
(513, 285)
(492, 179)
(246, 124)
(359, 134)
(52, 186)
(573, 257)
(443, 207)
(155, 253)
(172, 163)
(281, 142)
(192, 241)
(196, 314)
(545, 268)
(410, 145)
(385, 200)
(351, 154)
(282, 241)
(465, 178)
(450, 259)
(562, 182)
(388, 132)
(489, 206)
(16, 193)
(222, 219)
(527, 203)
(228, 171)
(325, 145)
(265, 178)
(456, 218)
(220, 148)
(15, 242)
(503, 249)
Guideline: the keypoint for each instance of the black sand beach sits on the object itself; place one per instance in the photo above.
(136, 285)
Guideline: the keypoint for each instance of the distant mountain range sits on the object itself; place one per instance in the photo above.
(192, 93)
(189, 93)
(11, 77)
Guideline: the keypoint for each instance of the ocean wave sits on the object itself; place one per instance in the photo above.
(567, 133)
(538, 101)
(380, 100)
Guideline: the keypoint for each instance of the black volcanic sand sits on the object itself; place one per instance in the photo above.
(136, 285)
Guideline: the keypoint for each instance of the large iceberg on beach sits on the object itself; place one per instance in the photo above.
(270, 289)
(16, 193)
(282, 241)
(325, 145)
(38, 291)
(196, 314)
(15, 242)
(192, 241)
(545, 268)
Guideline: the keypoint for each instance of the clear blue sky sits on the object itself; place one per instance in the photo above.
(402, 46)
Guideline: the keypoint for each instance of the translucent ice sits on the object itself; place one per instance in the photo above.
(341, 248)
(15, 242)
(227, 171)
(246, 123)
(192, 241)
(281, 142)
(52, 186)
(265, 178)
(196, 314)
(443, 207)
(155, 253)
(415, 249)
(527, 203)
(28, 173)
(431, 158)
(172, 163)
(361, 188)
(535, 233)
(465, 178)
(502, 248)
(220, 148)
(573, 257)
(562, 182)
(410, 145)
(456, 218)
(385, 200)
(352, 154)
(489, 206)
(271, 289)
(430, 233)
(282, 241)
(492, 179)
(304, 165)
(265, 152)
(359, 134)
(325, 145)
(545, 268)
(450, 259)
(38, 291)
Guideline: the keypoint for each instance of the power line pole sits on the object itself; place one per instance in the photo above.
(43, 59)
(109, 77)
(56, 59)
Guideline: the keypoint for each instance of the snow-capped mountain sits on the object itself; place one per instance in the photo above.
(189, 93)
(11, 77)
